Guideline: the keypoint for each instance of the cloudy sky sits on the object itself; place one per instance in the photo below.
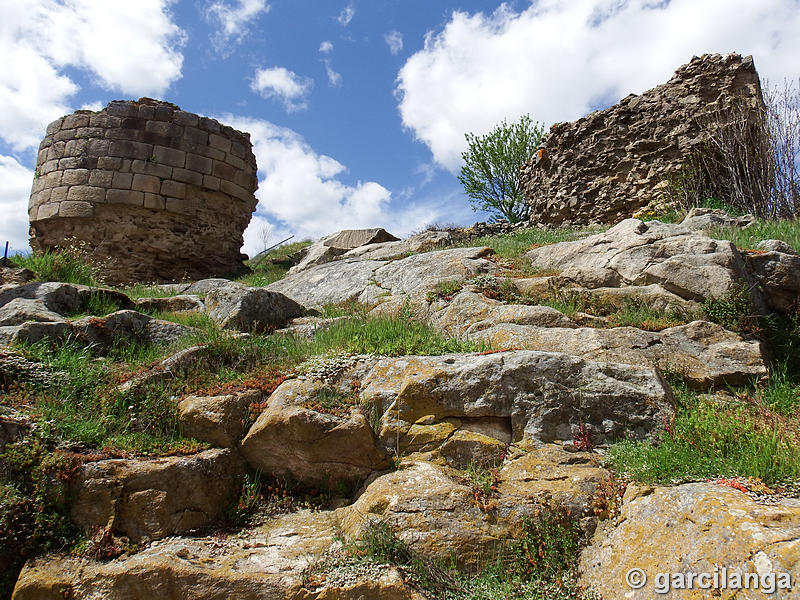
(357, 108)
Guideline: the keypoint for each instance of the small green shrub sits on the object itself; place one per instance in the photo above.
(734, 310)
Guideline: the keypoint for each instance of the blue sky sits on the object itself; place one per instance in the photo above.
(357, 108)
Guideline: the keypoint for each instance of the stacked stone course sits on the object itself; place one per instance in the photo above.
(610, 164)
(159, 193)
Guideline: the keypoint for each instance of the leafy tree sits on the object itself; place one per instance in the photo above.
(491, 171)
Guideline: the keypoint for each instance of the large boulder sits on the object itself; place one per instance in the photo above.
(331, 283)
(777, 276)
(704, 353)
(694, 528)
(542, 396)
(421, 242)
(65, 299)
(314, 447)
(154, 498)
(705, 218)
(250, 309)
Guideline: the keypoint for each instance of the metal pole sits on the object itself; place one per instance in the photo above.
(5, 256)
(263, 253)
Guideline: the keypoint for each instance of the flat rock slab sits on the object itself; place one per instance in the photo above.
(544, 396)
(702, 352)
(699, 528)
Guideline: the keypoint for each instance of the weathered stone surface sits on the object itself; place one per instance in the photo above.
(704, 353)
(134, 189)
(705, 218)
(16, 276)
(267, 565)
(328, 248)
(775, 246)
(697, 527)
(331, 283)
(611, 163)
(315, 448)
(205, 286)
(777, 276)
(154, 498)
(33, 331)
(470, 312)
(173, 366)
(686, 263)
(605, 300)
(467, 448)
(21, 310)
(180, 303)
(434, 510)
(542, 396)
(248, 309)
(127, 325)
(218, 420)
(13, 424)
(62, 298)
(421, 242)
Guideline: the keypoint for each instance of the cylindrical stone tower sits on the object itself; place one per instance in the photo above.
(156, 193)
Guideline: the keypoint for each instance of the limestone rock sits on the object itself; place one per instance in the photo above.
(434, 509)
(218, 420)
(21, 310)
(331, 283)
(156, 193)
(14, 275)
(315, 448)
(268, 565)
(469, 312)
(204, 286)
(704, 353)
(542, 396)
(611, 163)
(775, 246)
(246, 309)
(465, 448)
(653, 296)
(697, 527)
(706, 218)
(421, 242)
(172, 304)
(337, 244)
(777, 275)
(169, 368)
(154, 498)
(686, 263)
(127, 325)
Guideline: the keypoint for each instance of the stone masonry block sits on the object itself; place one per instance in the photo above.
(125, 197)
(219, 142)
(186, 176)
(169, 156)
(101, 178)
(86, 193)
(146, 183)
(122, 181)
(75, 210)
(195, 162)
(150, 167)
(174, 189)
(127, 149)
(75, 121)
(75, 177)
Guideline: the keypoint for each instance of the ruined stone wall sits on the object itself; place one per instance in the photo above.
(156, 193)
(612, 163)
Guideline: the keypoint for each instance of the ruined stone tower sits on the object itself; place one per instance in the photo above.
(156, 193)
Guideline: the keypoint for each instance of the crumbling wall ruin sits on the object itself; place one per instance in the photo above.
(155, 193)
(611, 163)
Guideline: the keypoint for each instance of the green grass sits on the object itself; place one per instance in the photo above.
(787, 230)
(709, 439)
(143, 290)
(70, 265)
(263, 271)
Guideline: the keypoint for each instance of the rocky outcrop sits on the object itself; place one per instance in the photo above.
(218, 420)
(154, 498)
(313, 446)
(155, 193)
(694, 528)
(609, 164)
(250, 309)
(538, 396)
(339, 243)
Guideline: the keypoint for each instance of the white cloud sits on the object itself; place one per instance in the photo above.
(233, 19)
(334, 77)
(326, 47)
(130, 47)
(301, 191)
(93, 106)
(558, 59)
(284, 85)
(394, 39)
(346, 15)
(14, 194)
